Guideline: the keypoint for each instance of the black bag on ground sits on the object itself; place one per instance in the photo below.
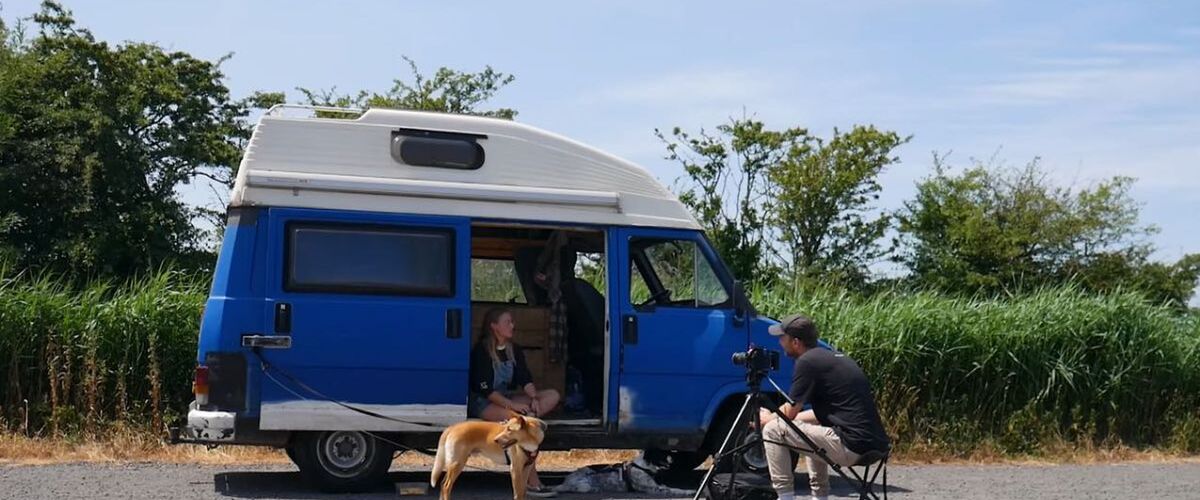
(746, 486)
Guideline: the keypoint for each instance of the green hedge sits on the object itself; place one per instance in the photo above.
(1017, 375)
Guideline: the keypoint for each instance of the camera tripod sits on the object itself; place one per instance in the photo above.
(748, 420)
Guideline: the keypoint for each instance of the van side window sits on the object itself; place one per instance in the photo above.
(495, 280)
(673, 273)
(347, 258)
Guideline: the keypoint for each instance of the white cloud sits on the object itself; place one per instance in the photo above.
(684, 88)
(1116, 86)
(1137, 48)
(1076, 62)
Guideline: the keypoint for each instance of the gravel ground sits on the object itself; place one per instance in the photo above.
(145, 480)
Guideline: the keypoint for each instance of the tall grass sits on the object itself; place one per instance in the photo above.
(1021, 375)
(74, 360)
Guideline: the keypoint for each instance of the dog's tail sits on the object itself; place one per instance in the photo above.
(439, 461)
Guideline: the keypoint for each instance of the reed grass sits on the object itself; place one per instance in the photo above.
(75, 360)
(1045, 373)
(1023, 375)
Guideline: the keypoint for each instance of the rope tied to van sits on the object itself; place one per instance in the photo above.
(267, 367)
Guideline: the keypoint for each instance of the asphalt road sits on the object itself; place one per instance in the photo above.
(145, 480)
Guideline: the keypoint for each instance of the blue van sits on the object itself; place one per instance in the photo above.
(361, 254)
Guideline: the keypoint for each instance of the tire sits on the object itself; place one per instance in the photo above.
(753, 460)
(342, 461)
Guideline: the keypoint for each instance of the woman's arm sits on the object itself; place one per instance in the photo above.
(480, 375)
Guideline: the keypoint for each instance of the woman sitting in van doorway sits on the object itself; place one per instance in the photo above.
(500, 379)
(501, 382)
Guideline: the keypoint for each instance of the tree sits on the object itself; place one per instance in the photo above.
(992, 229)
(822, 202)
(96, 139)
(448, 91)
(725, 185)
(1161, 283)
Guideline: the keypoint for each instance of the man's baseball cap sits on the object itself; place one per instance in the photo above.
(796, 325)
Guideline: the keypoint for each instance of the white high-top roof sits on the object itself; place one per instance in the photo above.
(528, 174)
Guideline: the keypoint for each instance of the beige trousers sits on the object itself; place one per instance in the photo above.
(779, 459)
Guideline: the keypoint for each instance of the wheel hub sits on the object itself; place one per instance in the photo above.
(345, 450)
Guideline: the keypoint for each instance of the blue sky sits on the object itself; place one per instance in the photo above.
(1094, 88)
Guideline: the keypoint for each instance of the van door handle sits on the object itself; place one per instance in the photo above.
(283, 317)
(629, 329)
(453, 323)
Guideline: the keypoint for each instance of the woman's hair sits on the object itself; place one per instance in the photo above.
(488, 339)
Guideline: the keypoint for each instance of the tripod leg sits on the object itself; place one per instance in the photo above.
(719, 455)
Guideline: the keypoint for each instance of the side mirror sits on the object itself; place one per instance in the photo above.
(742, 308)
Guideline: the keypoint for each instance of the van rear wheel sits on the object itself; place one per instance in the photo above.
(342, 461)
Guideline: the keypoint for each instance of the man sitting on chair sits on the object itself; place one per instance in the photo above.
(843, 421)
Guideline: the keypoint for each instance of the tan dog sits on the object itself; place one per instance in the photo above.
(517, 439)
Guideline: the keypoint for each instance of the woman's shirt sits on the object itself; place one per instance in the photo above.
(486, 376)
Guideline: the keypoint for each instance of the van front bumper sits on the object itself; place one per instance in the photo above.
(208, 426)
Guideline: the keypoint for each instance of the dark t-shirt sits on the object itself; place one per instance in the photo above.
(840, 396)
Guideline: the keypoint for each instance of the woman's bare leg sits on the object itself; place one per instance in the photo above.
(547, 400)
(494, 413)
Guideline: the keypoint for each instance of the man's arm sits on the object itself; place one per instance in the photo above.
(765, 415)
(801, 391)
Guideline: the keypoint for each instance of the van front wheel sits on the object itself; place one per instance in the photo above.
(342, 461)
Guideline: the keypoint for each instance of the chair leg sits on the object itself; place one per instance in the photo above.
(866, 486)
(885, 480)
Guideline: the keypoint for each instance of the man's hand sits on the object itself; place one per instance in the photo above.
(536, 407)
(521, 408)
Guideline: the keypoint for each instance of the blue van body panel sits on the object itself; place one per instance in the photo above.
(616, 282)
(232, 287)
(680, 362)
(234, 305)
(733, 390)
(368, 348)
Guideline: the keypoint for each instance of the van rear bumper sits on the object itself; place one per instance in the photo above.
(209, 426)
(213, 428)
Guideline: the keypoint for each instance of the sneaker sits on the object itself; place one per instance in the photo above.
(540, 492)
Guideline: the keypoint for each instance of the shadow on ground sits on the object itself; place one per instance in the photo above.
(471, 485)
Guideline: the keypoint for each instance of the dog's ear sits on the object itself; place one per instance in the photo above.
(515, 423)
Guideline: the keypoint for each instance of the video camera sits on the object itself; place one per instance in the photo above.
(757, 359)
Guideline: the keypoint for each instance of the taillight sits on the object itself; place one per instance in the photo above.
(200, 385)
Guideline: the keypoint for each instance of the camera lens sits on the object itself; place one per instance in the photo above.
(739, 358)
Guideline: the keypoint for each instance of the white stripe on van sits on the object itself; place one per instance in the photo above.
(327, 416)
